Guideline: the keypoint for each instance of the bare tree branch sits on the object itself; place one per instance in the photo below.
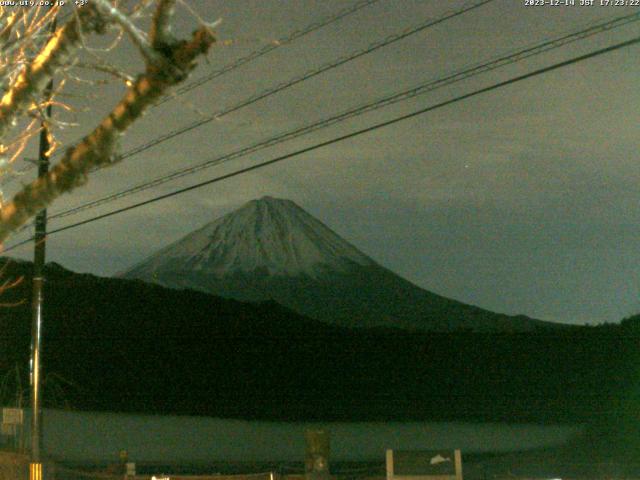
(137, 36)
(8, 25)
(98, 148)
(161, 27)
(34, 77)
(104, 66)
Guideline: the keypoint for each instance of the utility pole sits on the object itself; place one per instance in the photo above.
(35, 468)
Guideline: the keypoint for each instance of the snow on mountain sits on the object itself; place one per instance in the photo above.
(270, 236)
(271, 249)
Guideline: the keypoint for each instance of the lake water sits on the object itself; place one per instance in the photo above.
(98, 437)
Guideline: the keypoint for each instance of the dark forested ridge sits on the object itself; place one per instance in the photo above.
(124, 345)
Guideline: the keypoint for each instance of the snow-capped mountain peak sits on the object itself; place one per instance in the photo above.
(269, 235)
(271, 249)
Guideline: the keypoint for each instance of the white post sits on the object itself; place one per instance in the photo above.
(389, 464)
(458, 460)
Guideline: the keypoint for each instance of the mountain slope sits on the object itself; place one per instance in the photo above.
(272, 249)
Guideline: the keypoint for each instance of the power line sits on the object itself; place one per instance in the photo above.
(268, 48)
(421, 89)
(295, 35)
(301, 78)
(356, 133)
(306, 76)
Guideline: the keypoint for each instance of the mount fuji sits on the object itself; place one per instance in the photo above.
(271, 249)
